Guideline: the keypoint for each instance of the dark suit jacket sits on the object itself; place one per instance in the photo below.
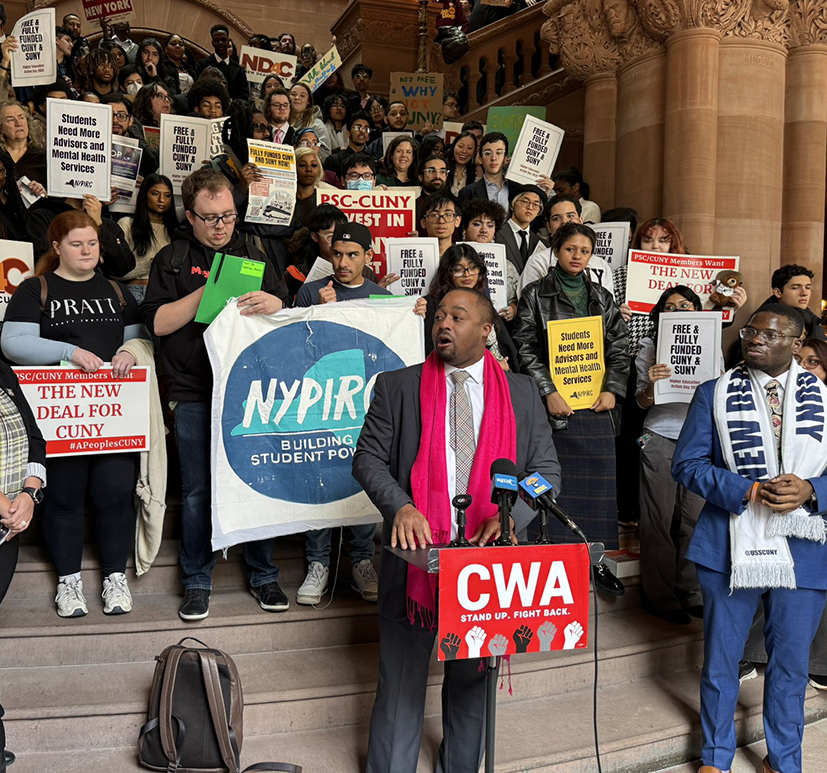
(388, 446)
(476, 190)
(512, 247)
(698, 464)
(234, 73)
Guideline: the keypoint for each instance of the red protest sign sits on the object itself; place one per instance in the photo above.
(510, 600)
(650, 273)
(107, 9)
(88, 413)
(389, 215)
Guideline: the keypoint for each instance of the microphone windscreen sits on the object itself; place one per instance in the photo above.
(503, 467)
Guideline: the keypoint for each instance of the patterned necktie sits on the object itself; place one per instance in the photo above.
(462, 430)
(279, 134)
(774, 402)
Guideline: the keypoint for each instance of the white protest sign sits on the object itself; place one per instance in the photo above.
(535, 153)
(78, 149)
(323, 69)
(389, 137)
(185, 144)
(126, 165)
(34, 62)
(493, 255)
(612, 243)
(321, 269)
(216, 139)
(16, 264)
(650, 273)
(258, 64)
(415, 262)
(272, 198)
(689, 342)
(88, 413)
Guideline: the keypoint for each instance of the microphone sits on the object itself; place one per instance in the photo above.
(461, 502)
(537, 492)
(504, 495)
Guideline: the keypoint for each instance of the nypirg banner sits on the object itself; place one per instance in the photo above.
(290, 394)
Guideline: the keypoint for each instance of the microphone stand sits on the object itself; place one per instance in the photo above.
(543, 538)
(504, 540)
(461, 503)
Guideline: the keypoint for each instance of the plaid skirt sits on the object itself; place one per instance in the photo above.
(586, 451)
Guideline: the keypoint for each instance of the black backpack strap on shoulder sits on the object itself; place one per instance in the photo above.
(44, 292)
(116, 286)
(180, 248)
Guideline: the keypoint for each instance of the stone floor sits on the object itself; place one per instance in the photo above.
(748, 759)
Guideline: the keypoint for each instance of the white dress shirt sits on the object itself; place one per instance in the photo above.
(761, 380)
(517, 231)
(476, 396)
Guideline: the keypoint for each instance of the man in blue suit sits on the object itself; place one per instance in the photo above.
(770, 339)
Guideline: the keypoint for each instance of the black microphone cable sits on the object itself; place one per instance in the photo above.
(594, 691)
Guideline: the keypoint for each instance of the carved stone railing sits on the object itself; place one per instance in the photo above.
(507, 63)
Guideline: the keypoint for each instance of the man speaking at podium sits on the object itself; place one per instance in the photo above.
(433, 431)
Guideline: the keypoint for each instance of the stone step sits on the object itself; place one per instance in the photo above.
(308, 689)
(644, 726)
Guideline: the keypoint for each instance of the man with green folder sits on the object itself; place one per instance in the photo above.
(177, 281)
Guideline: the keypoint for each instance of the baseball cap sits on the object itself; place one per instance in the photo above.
(352, 232)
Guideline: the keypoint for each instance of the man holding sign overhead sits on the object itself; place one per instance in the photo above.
(583, 435)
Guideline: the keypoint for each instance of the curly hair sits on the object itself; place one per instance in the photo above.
(86, 66)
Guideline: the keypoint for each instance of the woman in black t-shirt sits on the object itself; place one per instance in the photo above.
(84, 320)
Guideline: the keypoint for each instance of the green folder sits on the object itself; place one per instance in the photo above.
(230, 277)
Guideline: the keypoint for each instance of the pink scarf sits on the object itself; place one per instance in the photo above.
(429, 476)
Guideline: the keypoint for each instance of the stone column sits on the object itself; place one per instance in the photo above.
(805, 161)
(690, 135)
(600, 133)
(639, 165)
(750, 159)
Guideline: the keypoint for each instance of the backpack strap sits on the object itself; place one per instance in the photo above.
(44, 292)
(169, 743)
(116, 286)
(221, 723)
(180, 248)
(286, 767)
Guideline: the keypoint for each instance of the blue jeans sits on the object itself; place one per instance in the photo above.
(362, 545)
(192, 433)
(792, 617)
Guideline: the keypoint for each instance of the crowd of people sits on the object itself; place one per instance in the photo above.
(109, 290)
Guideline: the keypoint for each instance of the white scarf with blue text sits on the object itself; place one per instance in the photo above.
(760, 554)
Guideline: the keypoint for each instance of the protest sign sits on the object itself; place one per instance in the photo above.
(284, 428)
(576, 359)
(184, 146)
(535, 152)
(493, 254)
(216, 140)
(34, 62)
(389, 137)
(689, 342)
(422, 94)
(506, 601)
(389, 214)
(415, 262)
(321, 269)
(88, 413)
(114, 10)
(16, 264)
(273, 198)
(650, 273)
(152, 135)
(509, 121)
(126, 164)
(258, 64)
(78, 149)
(612, 243)
(323, 69)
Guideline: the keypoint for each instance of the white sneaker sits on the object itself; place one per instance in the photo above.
(314, 585)
(365, 581)
(70, 599)
(117, 600)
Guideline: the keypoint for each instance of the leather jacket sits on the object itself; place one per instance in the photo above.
(544, 301)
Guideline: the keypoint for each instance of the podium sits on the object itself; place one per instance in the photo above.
(497, 601)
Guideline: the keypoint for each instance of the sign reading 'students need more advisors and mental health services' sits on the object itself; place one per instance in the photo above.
(576, 359)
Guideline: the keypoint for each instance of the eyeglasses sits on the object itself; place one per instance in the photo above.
(120, 116)
(357, 176)
(529, 204)
(450, 104)
(212, 221)
(493, 153)
(769, 336)
(308, 144)
(280, 105)
(445, 217)
(163, 97)
(459, 271)
(682, 306)
(810, 363)
(359, 127)
(435, 172)
(261, 127)
(375, 110)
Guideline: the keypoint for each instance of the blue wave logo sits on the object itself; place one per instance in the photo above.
(294, 406)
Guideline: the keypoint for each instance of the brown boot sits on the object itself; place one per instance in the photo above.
(765, 766)
(709, 769)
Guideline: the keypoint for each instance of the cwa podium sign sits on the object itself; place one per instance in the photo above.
(508, 600)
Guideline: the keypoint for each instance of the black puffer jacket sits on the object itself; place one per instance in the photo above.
(544, 301)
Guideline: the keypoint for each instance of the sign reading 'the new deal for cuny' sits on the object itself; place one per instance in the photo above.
(285, 428)
(576, 359)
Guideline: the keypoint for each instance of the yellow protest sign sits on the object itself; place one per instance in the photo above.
(576, 359)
